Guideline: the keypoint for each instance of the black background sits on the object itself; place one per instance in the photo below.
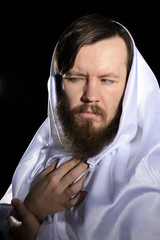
(28, 34)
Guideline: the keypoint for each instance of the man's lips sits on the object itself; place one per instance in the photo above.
(89, 114)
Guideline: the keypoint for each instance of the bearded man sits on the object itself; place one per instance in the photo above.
(92, 170)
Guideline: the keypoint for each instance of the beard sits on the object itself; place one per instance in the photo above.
(82, 138)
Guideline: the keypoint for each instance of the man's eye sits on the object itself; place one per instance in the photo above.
(106, 81)
(74, 79)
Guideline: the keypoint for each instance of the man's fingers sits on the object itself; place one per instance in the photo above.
(28, 225)
(75, 188)
(49, 169)
(65, 168)
(19, 208)
(74, 174)
(13, 222)
(78, 199)
(14, 226)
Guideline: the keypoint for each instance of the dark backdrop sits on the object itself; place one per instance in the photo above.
(28, 34)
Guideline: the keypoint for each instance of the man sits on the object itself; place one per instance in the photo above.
(92, 170)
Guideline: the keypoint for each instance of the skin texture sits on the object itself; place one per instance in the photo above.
(51, 194)
(27, 226)
(55, 188)
(97, 77)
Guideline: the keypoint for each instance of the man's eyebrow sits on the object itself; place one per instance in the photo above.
(109, 75)
(79, 74)
(70, 74)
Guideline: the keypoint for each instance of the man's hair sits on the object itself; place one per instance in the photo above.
(87, 30)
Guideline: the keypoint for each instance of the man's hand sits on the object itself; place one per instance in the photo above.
(25, 226)
(53, 191)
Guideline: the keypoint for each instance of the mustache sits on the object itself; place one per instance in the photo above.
(94, 108)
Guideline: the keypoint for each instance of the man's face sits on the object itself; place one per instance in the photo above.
(97, 82)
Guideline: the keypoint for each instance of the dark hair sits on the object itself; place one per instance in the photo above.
(87, 30)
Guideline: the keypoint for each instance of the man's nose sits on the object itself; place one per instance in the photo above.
(91, 92)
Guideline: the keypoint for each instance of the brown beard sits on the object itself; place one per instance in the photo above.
(81, 137)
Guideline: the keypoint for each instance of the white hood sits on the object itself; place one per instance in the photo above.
(123, 200)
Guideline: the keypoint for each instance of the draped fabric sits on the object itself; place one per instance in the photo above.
(123, 186)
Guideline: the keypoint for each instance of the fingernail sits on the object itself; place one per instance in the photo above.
(15, 201)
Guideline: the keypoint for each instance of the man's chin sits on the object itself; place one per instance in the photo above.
(96, 127)
(96, 124)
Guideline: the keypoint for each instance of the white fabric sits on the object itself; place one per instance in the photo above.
(123, 199)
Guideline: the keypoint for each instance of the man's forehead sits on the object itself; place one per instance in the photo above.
(101, 59)
(103, 50)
